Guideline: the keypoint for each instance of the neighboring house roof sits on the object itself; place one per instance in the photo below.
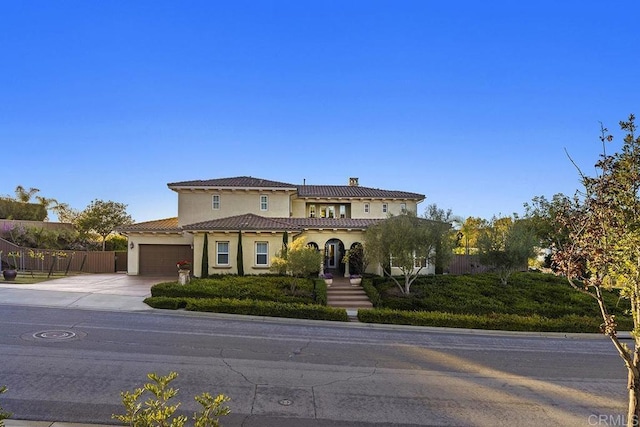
(235, 182)
(354, 191)
(166, 225)
(251, 222)
(247, 222)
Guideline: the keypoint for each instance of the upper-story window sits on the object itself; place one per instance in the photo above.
(366, 208)
(343, 211)
(215, 201)
(312, 211)
(385, 208)
(264, 202)
(403, 207)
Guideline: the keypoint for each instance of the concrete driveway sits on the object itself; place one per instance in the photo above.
(93, 291)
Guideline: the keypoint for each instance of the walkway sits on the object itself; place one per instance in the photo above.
(344, 295)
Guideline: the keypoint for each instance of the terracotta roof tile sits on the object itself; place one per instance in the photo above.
(162, 225)
(239, 181)
(249, 222)
(355, 191)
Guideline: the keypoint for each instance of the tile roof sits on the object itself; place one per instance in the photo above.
(354, 191)
(159, 225)
(323, 191)
(238, 181)
(248, 222)
(251, 222)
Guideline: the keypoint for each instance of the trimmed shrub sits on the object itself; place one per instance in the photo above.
(508, 322)
(165, 302)
(371, 291)
(268, 288)
(267, 308)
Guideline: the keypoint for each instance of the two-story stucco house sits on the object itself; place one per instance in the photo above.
(331, 217)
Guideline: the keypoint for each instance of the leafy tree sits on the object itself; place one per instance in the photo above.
(298, 260)
(102, 218)
(469, 230)
(445, 234)
(404, 241)
(357, 258)
(506, 245)
(603, 246)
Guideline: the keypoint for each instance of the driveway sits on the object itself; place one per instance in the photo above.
(116, 291)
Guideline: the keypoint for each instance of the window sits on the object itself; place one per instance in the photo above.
(385, 208)
(312, 211)
(215, 201)
(343, 211)
(262, 253)
(264, 202)
(331, 211)
(222, 253)
(403, 207)
(366, 208)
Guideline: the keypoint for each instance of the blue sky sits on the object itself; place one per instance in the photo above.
(470, 103)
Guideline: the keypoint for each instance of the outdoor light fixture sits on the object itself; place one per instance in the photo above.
(131, 245)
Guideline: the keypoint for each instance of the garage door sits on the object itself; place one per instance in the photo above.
(160, 260)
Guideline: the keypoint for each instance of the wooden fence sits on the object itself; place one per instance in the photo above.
(31, 259)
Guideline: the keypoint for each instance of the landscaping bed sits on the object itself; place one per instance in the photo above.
(530, 302)
(276, 296)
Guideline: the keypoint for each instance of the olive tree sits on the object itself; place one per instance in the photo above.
(602, 251)
(505, 245)
(103, 217)
(297, 259)
(406, 242)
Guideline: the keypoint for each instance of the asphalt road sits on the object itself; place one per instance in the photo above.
(305, 373)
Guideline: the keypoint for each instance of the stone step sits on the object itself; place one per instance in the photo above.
(351, 304)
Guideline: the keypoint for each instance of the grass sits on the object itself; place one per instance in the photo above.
(28, 278)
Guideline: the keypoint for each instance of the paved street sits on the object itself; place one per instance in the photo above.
(304, 373)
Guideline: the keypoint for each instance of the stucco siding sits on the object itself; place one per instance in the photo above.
(249, 240)
(194, 207)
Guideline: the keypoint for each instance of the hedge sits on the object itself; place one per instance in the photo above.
(507, 322)
(268, 288)
(11, 209)
(251, 307)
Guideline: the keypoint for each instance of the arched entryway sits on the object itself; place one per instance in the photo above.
(333, 253)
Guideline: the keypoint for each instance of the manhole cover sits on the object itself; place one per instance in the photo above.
(285, 402)
(55, 335)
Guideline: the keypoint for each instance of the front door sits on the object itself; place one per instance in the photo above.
(331, 255)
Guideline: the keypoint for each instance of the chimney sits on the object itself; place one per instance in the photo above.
(353, 182)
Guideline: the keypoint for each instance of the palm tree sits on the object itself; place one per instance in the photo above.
(23, 195)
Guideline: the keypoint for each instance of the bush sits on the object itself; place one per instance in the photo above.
(508, 322)
(166, 302)
(266, 308)
(372, 292)
(526, 294)
(159, 410)
(250, 307)
(256, 288)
